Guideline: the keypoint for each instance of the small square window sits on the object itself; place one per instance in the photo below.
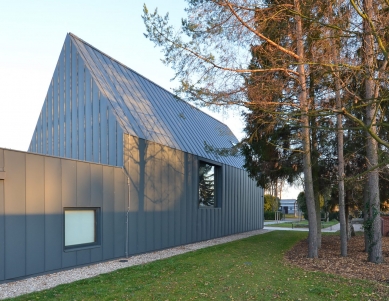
(208, 185)
(81, 227)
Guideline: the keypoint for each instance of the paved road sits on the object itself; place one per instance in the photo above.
(335, 228)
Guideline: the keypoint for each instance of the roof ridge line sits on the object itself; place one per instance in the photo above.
(178, 98)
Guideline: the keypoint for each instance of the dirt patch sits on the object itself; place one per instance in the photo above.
(355, 265)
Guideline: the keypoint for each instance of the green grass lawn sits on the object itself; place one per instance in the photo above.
(290, 216)
(249, 269)
(302, 224)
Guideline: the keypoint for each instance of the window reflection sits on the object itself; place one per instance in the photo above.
(206, 185)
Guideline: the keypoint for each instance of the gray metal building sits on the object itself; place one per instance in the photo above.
(116, 166)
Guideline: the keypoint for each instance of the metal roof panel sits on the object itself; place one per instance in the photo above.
(153, 113)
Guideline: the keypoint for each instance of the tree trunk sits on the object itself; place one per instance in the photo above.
(281, 184)
(374, 235)
(305, 133)
(315, 159)
(348, 221)
(274, 194)
(341, 174)
(374, 232)
(340, 144)
(366, 212)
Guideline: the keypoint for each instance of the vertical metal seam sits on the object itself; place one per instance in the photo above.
(91, 119)
(25, 213)
(116, 143)
(41, 133)
(58, 105)
(77, 110)
(99, 95)
(114, 203)
(71, 99)
(64, 101)
(47, 126)
(84, 99)
(52, 116)
(3, 192)
(126, 149)
(107, 125)
(62, 212)
(36, 139)
(44, 211)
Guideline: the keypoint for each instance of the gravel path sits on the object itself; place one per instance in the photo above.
(39, 283)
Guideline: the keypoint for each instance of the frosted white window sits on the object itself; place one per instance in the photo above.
(79, 227)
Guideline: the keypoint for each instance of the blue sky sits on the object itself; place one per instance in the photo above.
(31, 38)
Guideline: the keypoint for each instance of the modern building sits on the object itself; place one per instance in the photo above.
(117, 166)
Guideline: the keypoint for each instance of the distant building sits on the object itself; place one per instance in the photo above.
(289, 206)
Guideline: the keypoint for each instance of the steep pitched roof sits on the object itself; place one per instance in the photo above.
(148, 111)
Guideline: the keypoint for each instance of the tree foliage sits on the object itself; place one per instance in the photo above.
(302, 203)
(270, 153)
(295, 66)
(271, 203)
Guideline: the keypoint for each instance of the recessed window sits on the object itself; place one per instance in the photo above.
(81, 227)
(208, 188)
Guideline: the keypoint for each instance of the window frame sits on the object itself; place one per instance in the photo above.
(218, 183)
(97, 229)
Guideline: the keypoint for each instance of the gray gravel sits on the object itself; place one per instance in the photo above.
(39, 283)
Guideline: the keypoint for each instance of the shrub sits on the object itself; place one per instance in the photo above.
(334, 215)
(271, 202)
(271, 215)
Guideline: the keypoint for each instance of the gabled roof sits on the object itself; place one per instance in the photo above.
(286, 201)
(148, 111)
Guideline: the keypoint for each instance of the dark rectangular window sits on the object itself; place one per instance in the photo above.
(208, 182)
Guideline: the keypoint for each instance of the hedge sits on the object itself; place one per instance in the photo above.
(271, 215)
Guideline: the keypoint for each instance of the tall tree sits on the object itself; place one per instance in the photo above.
(375, 244)
(210, 60)
(211, 57)
(374, 17)
(336, 45)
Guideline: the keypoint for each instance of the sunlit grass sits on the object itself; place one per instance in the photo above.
(248, 269)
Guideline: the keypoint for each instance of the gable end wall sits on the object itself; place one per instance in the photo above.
(76, 120)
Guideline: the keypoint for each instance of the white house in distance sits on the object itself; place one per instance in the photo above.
(289, 206)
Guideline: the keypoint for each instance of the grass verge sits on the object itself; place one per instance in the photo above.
(248, 269)
(290, 216)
